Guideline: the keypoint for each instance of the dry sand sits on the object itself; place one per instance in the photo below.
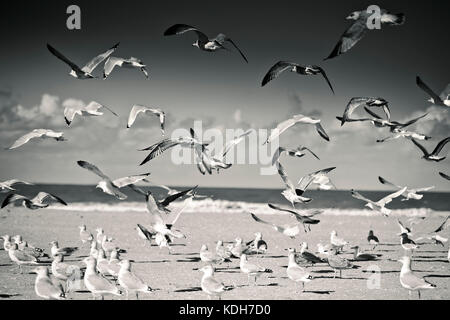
(176, 276)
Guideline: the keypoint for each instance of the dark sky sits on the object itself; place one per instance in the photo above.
(190, 84)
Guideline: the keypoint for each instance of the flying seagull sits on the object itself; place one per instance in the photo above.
(137, 109)
(299, 152)
(131, 63)
(434, 156)
(443, 100)
(409, 193)
(356, 102)
(380, 204)
(405, 134)
(443, 175)
(38, 133)
(319, 177)
(7, 186)
(92, 109)
(299, 118)
(186, 142)
(290, 231)
(109, 186)
(86, 71)
(282, 66)
(41, 200)
(303, 218)
(203, 42)
(359, 28)
(292, 194)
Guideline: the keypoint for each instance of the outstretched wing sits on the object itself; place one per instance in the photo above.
(43, 196)
(306, 180)
(27, 137)
(410, 122)
(94, 106)
(384, 181)
(321, 131)
(234, 142)
(284, 177)
(276, 70)
(11, 198)
(93, 169)
(175, 196)
(183, 28)
(262, 221)
(91, 65)
(350, 37)
(159, 148)
(421, 147)
(281, 127)
(322, 72)
(123, 182)
(431, 93)
(444, 225)
(61, 57)
(443, 175)
(359, 196)
(392, 196)
(221, 38)
(440, 145)
(310, 151)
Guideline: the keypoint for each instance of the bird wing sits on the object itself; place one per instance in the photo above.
(61, 57)
(384, 181)
(421, 147)
(403, 229)
(281, 127)
(69, 114)
(444, 225)
(276, 70)
(350, 37)
(423, 189)
(123, 182)
(159, 148)
(213, 285)
(288, 183)
(134, 113)
(443, 175)
(234, 142)
(145, 232)
(153, 209)
(93, 169)
(221, 38)
(13, 182)
(110, 65)
(272, 206)
(262, 221)
(186, 204)
(440, 145)
(42, 196)
(94, 106)
(359, 196)
(175, 196)
(431, 93)
(412, 121)
(91, 65)
(11, 198)
(306, 180)
(321, 131)
(392, 196)
(373, 114)
(322, 72)
(27, 137)
(183, 28)
(310, 151)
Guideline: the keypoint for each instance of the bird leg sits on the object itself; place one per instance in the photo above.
(418, 291)
(137, 295)
(340, 274)
(303, 287)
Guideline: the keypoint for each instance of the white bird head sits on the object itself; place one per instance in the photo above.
(333, 233)
(54, 243)
(17, 239)
(40, 271)
(73, 73)
(82, 227)
(125, 265)
(99, 230)
(243, 257)
(405, 260)
(207, 270)
(90, 261)
(204, 247)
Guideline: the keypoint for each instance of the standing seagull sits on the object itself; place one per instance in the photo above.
(356, 102)
(96, 283)
(90, 110)
(337, 243)
(380, 205)
(373, 239)
(44, 286)
(137, 109)
(131, 63)
(251, 269)
(434, 156)
(41, 200)
(409, 280)
(7, 186)
(86, 71)
(112, 187)
(443, 100)
(295, 272)
(299, 118)
(203, 43)
(339, 263)
(292, 194)
(409, 193)
(407, 243)
(38, 133)
(359, 28)
(210, 285)
(129, 281)
(282, 66)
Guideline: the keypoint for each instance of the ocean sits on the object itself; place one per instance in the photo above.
(88, 198)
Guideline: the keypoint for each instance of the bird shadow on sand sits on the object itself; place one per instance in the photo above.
(429, 260)
(151, 261)
(319, 291)
(429, 257)
(437, 276)
(323, 271)
(5, 265)
(189, 259)
(193, 289)
(185, 254)
(9, 295)
(343, 278)
(270, 257)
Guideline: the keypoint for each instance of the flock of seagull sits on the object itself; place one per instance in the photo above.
(106, 274)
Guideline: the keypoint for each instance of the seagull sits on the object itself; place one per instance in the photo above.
(113, 264)
(95, 283)
(407, 243)
(65, 272)
(295, 272)
(108, 245)
(185, 142)
(444, 225)
(358, 256)
(405, 134)
(290, 231)
(84, 235)
(86, 71)
(129, 63)
(251, 269)
(299, 118)
(203, 42)
(257, 245)
(137, 109)
(292, 194)
(38, 134)
(324, 249)
(303, 218)
(7, 186)
(443, 175)
(92, 109)
(41, 200)
(339, 263)
(308, 256)
(210, 285)
(373, 239)
(443, 100)
(409, 280)
(336, 242)
(102, 265)
(434, 156)
(222, 252)
(28, 249)
(100, 236)
(209, 257)
(356, 102)
(238, 248)
(282, 66)
(112, 187)
(7, 243)
(403, 228)
(380, 205)
(129, 281)
(93, 252)
(359, 27)
(319, 177)
(20, 257)
(299, 152)
(409, 193)
(67, 251)
(44, 286)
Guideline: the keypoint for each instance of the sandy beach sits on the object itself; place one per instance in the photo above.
(175, 276)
